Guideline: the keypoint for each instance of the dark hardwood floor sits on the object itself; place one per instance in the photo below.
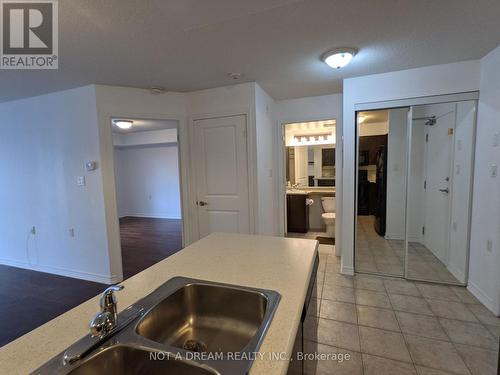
(29, 299)
(146, 241)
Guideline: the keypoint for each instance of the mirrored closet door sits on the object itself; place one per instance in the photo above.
(414, 184)
(381, 195)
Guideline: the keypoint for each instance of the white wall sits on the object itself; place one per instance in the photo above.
(44, 143)
(323, 107)
(484, 271)
(420, 82)
(367, 129)
(147, 181)
(267, 206)
(145, 137)
(109, 102)
(116, 102)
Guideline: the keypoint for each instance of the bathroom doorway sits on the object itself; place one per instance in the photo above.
(309, 180)
(414, 184)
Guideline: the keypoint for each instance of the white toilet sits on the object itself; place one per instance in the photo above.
(328, 215)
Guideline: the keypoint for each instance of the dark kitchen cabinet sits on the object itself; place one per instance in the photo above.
(328, 157)
(297, 213)
(307, 330)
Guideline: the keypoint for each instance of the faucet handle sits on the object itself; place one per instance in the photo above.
(108, 299)
(113, 288)
(101, 323)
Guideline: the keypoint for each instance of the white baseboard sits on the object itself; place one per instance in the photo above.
(398, 237)
(345, 270)
(103, 279)
(460, 276)
(393, 236)
(151, 216)
(483, 298)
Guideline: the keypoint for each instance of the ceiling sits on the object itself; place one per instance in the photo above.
(186, 45)
(141, 125)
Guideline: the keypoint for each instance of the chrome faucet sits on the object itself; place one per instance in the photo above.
(105, 321)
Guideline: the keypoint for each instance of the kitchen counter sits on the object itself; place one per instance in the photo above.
(311, 190)
(280, 264)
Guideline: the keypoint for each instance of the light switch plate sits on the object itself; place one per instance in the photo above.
(496, 140)
(489, 246)
(493, 170)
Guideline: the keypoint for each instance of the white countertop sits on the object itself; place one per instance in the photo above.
(311, 190)
(280, 264)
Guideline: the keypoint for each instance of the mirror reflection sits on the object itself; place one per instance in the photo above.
(439, 191)
(310, 154)
(414, 185)
(381, 191)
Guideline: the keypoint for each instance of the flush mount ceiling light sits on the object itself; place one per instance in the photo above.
(339, 57)
(124, 124)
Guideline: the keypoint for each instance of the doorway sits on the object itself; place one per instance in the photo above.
(309, 180)
(147, 180)
(414, 184)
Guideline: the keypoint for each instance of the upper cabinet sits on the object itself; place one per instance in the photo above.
(328, 157)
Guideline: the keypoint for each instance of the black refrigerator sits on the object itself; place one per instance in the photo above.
(381, 191)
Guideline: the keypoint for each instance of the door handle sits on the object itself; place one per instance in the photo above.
(444, 191)
(202, 203)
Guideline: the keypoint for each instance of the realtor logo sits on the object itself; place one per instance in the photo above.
(29, 34)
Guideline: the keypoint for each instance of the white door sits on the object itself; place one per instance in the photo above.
(438, 174)
(221, 173)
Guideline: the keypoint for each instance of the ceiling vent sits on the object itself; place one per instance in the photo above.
(157, 90)
(234, 76)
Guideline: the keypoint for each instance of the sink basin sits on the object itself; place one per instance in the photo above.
(206, 318)
(126, 360)
(184, 317)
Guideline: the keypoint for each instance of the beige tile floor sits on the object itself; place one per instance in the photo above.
(375, 254)
(390, 326)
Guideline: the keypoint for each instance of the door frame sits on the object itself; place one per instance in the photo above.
(412, 102)
(109, 182)
(281, 167)
(251, 165)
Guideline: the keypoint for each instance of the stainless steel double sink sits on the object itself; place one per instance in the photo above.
(186, 326)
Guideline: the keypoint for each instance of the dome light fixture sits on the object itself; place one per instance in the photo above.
(339, 57)
(124, 124)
